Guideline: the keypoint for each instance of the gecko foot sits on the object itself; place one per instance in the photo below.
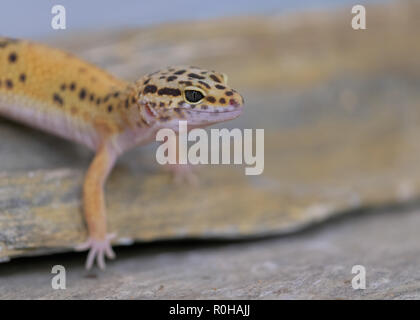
(98, 249)
(182, 173)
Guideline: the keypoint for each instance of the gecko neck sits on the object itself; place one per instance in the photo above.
(139, 125)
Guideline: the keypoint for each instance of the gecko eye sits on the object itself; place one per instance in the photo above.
(193, 96)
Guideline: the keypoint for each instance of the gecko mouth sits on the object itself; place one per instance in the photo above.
(150, 111)
(213, 116)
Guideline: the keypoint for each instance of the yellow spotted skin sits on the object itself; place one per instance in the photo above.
(53, 81)
(56, 92)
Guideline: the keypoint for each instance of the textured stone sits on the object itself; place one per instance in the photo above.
(313, 264)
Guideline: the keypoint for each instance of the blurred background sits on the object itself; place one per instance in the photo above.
(25, 18)
(341, 113)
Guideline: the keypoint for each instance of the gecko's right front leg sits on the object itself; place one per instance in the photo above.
(99, 242)
(181, 173)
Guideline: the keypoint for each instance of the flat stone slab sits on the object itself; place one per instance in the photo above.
(313, 264)
(337, 138)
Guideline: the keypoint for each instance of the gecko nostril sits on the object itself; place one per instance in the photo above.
(233, 102)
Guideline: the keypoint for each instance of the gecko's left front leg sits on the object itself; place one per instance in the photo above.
(99, 242)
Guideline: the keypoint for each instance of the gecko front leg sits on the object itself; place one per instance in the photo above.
(181, 173)
(99, 242)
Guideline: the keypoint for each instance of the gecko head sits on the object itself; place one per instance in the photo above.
(201, 97)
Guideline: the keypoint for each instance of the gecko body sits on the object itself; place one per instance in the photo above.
(56, 92)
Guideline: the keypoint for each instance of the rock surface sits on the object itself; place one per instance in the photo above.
(313, 264)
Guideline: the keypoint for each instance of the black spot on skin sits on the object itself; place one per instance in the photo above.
(150, 89)
(22, 77)
(98, 100)
(187, 83)
(126, 103)
(82, 93)
(63, 87)
(179, 72)
(116, 94)
(161, 104)
(92, 97)
(146, 81)
(170, 102)
(177, 110)
(219, 86)
(203, 72)
(204, 107)
(7, 41)
(195, 76)
(229, 93)
(215, 79)
(204, 84)
(162, 77)
(110, 108)
(133, 99)
(106, 98)
(169, 92)
(193, 106)
(222, 100)
(180, 103)
(13, 57)
(72, 86)
(211, 99)
(171, 78)
(9, 83)
(58, 99)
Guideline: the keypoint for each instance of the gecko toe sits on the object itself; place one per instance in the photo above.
(98, 250)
